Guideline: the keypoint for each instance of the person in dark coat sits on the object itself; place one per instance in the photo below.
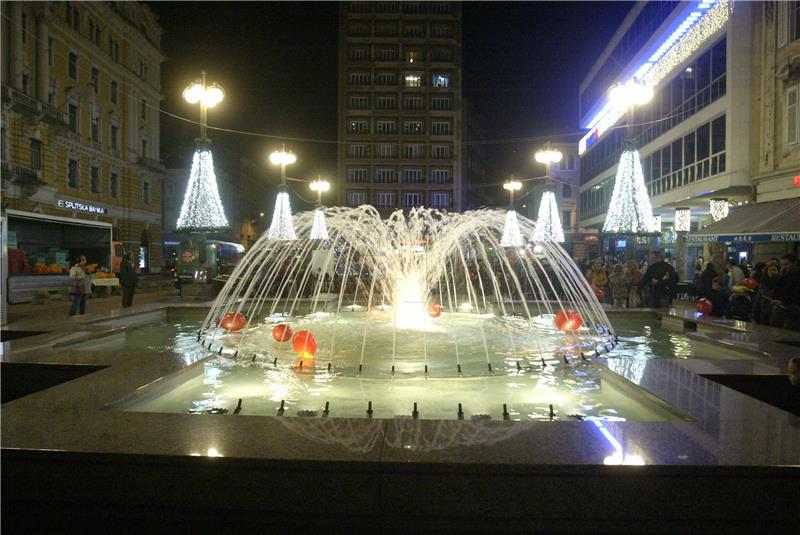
(717, 299)
(706, 279)
(127, 279)
(661, 278)
(762, 305)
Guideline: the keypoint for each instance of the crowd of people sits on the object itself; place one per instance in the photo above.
(774, 300)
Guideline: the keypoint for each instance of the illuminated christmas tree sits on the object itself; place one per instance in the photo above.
(630, 211)
(202, 208)
(282, 227)
(548, 224)
(511, 234)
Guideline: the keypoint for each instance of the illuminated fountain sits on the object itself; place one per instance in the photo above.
(423, 295)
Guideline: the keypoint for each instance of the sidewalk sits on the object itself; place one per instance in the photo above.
(27, 312)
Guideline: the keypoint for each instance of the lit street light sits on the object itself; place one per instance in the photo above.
(511, 186)
(319, 229)
(282, 227)
(548, 224)
(207, 96)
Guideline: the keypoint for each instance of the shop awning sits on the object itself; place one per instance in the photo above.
(774, 221)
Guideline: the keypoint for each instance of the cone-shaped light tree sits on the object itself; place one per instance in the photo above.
(630, 211)
(511, 235)
(282, 226)
(548, 224)
(319, 230)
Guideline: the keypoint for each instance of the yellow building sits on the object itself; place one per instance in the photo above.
(81, 93)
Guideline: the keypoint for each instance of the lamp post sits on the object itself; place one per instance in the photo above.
(282, 227)
(202, 209)
(319, 230)
(511, 186)
(207, 96)
(548, 223)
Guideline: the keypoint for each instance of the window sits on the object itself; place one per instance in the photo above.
(359, 29)
(95, 79)
(566, 191)
(358, 126)
(440, 103)
(440, 201)
(413, 56)
(442, 54)
(792, 116)
(24, 27)
(50, 51)
(571, 162)
(357, 198)
(72, 174)
(413, 128)
(73, 66)
(794, 20)
(143, 70)
(414, 29)
(3, 148)
(358, 102)
(412, 176)
(385, 175)
(386, 78)
(440, 128)
(414, 7)
(386, 127)
(25, 79)
(146, 192)
(359, 78)
(384, 199)
(358, 53)
(413, 80)
(113, 48)
(357, 151)
(440, 151)
(386, 29)
(412, 200)
(385, 7)
(412, 151)
(357, 175)
(439, 8)
(718, 135)
(143, 109)
(73, 17)
(73, 118)
(114, 136)
(94, 179)
(566, 218)
(113, 185)
(144, 149)
(387, 54)
(95, 128)
(52, 90)
(36, 154)
(114, 91)
(387, 150)
(440, 176)
(413, 103)
(441, 80)
(386, 102)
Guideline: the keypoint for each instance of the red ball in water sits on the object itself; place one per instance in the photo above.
(568, 320)
(750, 283)
(304, 344)
(704, 306)
(282, 333)
(435, 310)
(233, 322)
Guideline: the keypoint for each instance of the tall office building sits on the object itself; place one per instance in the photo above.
(400, 107)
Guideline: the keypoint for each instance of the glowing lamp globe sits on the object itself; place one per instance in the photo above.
(233, 322)
(704, 306)
(194, 93)
(304, 344)
(435, 310)
(213, 96)
(750, 283)
(282, 333)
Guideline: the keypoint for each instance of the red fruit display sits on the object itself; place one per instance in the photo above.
(304, 344)
(233, 322)
(282, 333)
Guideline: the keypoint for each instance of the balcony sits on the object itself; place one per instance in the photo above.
(149, 163)
(32, 110)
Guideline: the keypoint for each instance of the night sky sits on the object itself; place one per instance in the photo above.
(277, 62)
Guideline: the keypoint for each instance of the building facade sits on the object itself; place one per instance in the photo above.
(81, 93)
(400, 107)
(693, 137)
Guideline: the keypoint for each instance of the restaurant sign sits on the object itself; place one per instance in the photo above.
(720, 238)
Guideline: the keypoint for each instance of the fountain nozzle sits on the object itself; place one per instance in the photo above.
(460, 412)
(282, 408)
(506, 416)
(238, 408)
(415, 412)
(369, 409)
(552, 412)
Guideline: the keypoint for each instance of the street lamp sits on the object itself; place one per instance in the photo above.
(511, 186)
(282, 227)
(207, 96)
(319, 230)
(548, 223)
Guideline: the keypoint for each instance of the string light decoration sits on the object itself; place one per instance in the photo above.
(548, 224)
(202, 208)
(657, 222)
(719, 209)
(630, 211)
(319, 230)
(511, 234)
(282, 227)
(683, 219)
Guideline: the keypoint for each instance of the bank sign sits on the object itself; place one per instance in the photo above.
(777, 237)
(80, 207)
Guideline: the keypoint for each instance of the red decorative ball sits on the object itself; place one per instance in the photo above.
(233, 322)
(750, 283)
(282, 333)
(304, 344)
(568, 320)
(704, 306)
(435, 310)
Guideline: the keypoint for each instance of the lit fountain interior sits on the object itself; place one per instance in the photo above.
(423, 314)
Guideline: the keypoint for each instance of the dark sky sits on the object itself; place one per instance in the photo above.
(277, 62)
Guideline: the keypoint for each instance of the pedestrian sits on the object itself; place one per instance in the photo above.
(598, 280)
(736, 275)
(80, 286)
(634, 277)
(786, 305)
(619, 286)
(661, 278)
(706, 279)
(767, 288)
(717, 298)
(127, 279)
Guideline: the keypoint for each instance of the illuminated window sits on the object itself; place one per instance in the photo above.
(357, 198)
(385, 175)
(384, 199)
(412, 199)
(413, 80)
(358, 126)
(412, 176)
(357, 175)
(440, 176)
(441, 80)
(440, 201)
(413, 127)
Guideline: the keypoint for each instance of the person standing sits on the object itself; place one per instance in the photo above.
(81, 286)
(737, 275)
(619, 286)
(634, 277)
(661, 278)
(127, 279)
